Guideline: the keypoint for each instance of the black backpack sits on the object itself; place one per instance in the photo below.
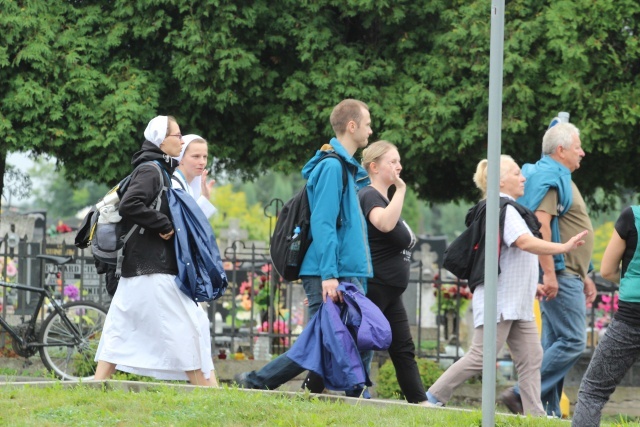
(465, 256)
(290, 240)
(107, 239)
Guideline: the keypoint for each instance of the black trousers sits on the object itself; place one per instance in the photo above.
(402, 350)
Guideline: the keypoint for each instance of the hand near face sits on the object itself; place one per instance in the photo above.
(399, 182)
(206, 186)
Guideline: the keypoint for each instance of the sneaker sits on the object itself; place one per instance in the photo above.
(512, 401)
(432, 400)
(241, 380)
(431, 405)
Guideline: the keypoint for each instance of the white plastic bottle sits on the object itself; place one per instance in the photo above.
(562, 117)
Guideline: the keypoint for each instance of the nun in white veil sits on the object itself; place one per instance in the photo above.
(191, 173)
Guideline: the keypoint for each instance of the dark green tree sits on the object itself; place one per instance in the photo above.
(258, 79)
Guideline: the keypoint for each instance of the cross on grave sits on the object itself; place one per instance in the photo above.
(234, 232)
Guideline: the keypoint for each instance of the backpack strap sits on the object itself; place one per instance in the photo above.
(155, 205)
(344, 181)
(178, 180)
(344, 167)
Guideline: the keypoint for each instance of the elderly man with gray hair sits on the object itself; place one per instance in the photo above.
(567, 288)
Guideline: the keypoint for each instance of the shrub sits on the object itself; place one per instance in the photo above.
(387, 385)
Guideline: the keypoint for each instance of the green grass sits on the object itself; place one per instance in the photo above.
(56, 405)
(26, 372)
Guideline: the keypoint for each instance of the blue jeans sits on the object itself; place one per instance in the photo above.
(282, 369)
(564, 338)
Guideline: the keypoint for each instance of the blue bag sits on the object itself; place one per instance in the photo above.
(201, 275)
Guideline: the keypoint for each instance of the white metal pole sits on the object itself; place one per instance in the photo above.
(493, 196)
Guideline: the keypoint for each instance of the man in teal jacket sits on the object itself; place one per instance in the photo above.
(339, 251)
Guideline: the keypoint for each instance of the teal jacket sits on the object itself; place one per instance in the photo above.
(629, 289)
(336, 251)
(542, 176)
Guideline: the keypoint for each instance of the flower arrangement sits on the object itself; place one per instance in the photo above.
(252, 297)
(604, 313)
(447, 296)
(8, 272)
(71, 293)
(279, 327)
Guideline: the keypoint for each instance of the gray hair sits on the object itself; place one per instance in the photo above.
(560, 135)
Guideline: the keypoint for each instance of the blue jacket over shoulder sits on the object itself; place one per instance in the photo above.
(542, 176)
(341, 252)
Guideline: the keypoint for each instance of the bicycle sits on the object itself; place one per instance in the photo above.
(68, 337)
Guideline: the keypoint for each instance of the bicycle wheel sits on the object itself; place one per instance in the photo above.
(68, 357)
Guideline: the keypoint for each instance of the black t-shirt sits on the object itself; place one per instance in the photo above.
(390, 252)
(628, 312)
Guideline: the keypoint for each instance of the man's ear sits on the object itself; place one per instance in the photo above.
(559, 151)
(351, 126)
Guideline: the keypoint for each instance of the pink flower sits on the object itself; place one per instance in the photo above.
(279, 327)
(11, 268)
(245, 287)
(71, 292)
(266, 268)
(609, 304)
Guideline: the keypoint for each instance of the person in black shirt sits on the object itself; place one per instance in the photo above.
(390, 242)
(619, 349)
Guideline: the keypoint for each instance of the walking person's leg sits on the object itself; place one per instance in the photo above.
(104, 370)
(616, 353)
(402, 349)
(564, 339)
(282, 369)
(197, 378)
(367, 355)
(469, 365)
(526, 351)
(564, 318)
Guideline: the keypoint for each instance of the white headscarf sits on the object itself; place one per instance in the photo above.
(188, 139)
(156, 130)
(196, 183)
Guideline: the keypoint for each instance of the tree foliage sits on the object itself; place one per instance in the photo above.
(232, 205)
(79, 80)
(54, 194)
(17, 184)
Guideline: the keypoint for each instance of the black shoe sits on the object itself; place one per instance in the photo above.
(512, 401)
(241, 380)
(314, 383)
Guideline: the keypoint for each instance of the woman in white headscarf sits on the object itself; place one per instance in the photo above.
(152, 327)
(191, 173)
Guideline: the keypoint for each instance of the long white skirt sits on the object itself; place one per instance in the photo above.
(154, 329)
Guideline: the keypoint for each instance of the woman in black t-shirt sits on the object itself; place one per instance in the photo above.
(619, 349)
(390, 242)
